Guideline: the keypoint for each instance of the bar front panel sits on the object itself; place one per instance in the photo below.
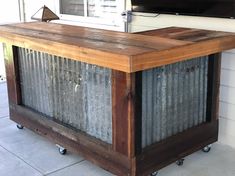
(73, 93)
(174, 99)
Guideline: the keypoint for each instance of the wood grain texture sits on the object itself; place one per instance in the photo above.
(182, 53)
(214, 69)
(186, 34)
(12, 73)
(88, 147)
(126, 102)
(176, 147)
(123, 95)
(117, 50)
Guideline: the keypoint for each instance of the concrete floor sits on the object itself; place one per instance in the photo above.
(23, 153)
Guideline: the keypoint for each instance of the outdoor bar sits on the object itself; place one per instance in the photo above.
(130, 103)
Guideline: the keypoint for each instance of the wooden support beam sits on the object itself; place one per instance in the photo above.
(126, 99)
(12, 72)
(214, 69)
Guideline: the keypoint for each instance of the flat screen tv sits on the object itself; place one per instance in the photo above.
(209, 8)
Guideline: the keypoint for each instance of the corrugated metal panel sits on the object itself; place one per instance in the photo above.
(74, 93)
(174, 99)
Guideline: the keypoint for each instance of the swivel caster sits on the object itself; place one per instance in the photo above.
(154, 173)
(62, 150)
(180, 162)
(19, 126)
(207, 149)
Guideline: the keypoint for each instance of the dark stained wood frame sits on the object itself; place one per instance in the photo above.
(214, 69)
(125, 156)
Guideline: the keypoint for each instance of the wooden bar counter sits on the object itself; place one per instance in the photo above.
(130, 103)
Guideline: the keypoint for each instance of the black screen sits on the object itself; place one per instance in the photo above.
(210, 8)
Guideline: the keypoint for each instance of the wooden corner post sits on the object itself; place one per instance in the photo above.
(214, 69)
(126, 94)
(12, 73)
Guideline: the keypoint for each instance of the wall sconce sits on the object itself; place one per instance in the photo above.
(45, 14)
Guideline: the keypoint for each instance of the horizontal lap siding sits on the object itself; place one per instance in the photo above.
(174, 99)
(71, 92)
(227, 99)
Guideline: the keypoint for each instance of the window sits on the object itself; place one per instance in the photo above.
(99, 12)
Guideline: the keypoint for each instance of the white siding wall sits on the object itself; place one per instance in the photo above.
(2, 67)
(227, 97)
(9, 13)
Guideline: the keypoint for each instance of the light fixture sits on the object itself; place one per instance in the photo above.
(45, 14)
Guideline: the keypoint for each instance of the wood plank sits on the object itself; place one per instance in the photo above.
(214, 69)
(122, 102)
(164, 57)
(116, 50)
(12, 73)
(176, 147)
(91, 149)
(186, 34)
(104, 59)
(127, 115)
(165, 32)
(126, 102)
(98, 35)
(95, 44)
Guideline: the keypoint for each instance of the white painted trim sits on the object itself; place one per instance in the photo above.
(104, 23)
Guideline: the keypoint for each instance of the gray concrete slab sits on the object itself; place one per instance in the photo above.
(10, 165)
(220, 161)
(34, 149)
(84, 168)
(3, 86)
(4, 112)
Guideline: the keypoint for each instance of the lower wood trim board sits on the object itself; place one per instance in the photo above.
(93, 150)
(176, 147)
(151, 159)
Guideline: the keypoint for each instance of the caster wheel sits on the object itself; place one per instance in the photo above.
(62, 150)
(19, 126)
(180, 162)
(154, 173)
(207, 149)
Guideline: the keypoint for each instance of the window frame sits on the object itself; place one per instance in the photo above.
(112, 24)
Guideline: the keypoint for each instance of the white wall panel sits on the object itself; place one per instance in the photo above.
(228, 78)
(227, 94)
(227, 111)
(227, 126)
(228, 61)
(2, 66)
(227, 139)
(227, 131)
(160, 21)
(9, 13)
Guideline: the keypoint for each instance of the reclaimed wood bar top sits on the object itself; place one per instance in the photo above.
(117, 50)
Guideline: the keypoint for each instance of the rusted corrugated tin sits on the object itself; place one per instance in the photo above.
(71, 92)
(79, 95)
(173, 99)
